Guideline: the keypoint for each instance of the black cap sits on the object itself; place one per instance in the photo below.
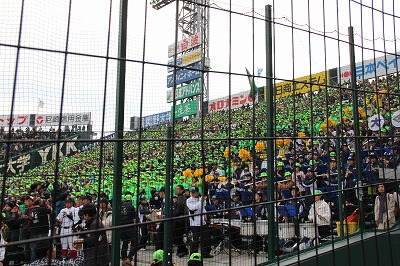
(87, 197)
(69, 199)
(104, 200)
(236, 194)
(215, 197)
(162, 189)
(143, 197)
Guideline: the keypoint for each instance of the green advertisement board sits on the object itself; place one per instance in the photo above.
(186, 91)
(185, 109)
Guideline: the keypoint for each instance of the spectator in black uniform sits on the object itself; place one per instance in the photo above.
(128, 233)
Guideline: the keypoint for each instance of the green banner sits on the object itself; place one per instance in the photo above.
(186, 91)
(185, 109)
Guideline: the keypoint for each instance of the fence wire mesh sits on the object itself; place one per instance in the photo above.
(199, 132)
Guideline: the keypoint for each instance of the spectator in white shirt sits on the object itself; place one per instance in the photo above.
(196, 206)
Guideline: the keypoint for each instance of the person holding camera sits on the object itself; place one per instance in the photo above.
(67, 217)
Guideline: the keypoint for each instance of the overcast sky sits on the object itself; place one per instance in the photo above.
(296, 54)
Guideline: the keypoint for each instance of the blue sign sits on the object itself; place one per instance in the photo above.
(184, 75)
(156, 119)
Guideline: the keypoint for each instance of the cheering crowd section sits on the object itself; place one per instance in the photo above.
(306, 159)
(32, 135)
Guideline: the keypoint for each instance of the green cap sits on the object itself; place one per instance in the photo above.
(195, 256)
(158, 255)
(317, 192)
(297, 164)
(288, 173)
(332, 154)
(263, 174)
(127, 198)
(280, 164)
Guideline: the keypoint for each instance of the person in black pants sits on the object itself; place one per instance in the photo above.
(180, 224)
(198, 226)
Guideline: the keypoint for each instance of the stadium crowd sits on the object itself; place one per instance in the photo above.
(217, 167)
(28, 139)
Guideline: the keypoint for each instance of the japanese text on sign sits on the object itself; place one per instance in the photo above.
(300, 85)
(371, 68)
(16, 120)
(236, 101)
(185, 60)
(184, 75)
(186, 44)
(185, 91)
(156, 119)
(68, 119)
(185, 109)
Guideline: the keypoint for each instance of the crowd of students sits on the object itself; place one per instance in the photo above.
(222, 157)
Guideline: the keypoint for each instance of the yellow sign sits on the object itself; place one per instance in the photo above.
(300, 85)
(191, 57)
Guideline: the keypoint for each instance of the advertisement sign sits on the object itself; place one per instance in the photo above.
(300, 85)
(237, 100)
(184, 45)
(185, 109)
(68, 119)
(16, 121)
(187, 59)
(184, 75)
(185, 91)
(24, 162)
(156, 119)
(371, 68)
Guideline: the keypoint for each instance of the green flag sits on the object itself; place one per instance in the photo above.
(253, 87)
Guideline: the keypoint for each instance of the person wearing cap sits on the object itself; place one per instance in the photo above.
(195, 259)
(67, 217)
(279, 171)
(105, 215)
(128, 235)
(95, 244)
(158, 258)
(331, 177)
(39, 219)
(26, 217)
(394, 161)
(235, 214)
(180, 224)
(308, 183)
(263, 183)
(216, 231)
(143, 211)
(196, 207)
(372, 168)
(350, 181)
(14, 224)
(320, 215)
(159, 239)
(287, 183)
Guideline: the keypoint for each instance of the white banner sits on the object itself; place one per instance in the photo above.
(16, 121)
(376, 122)
(371, 68)
(396, 119)
(237, 101)
(184, 45)
(68, 119)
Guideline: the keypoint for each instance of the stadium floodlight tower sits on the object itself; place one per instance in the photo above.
(194, 18)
